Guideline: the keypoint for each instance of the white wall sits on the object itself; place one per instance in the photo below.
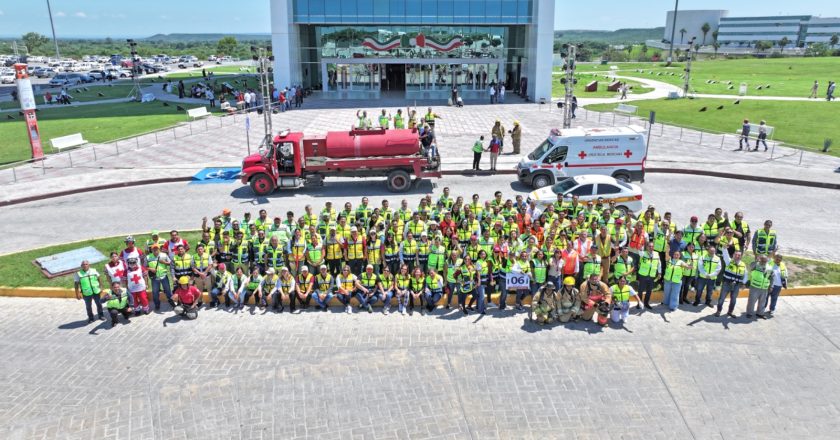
(692, 21)
(540, 51)
(284, 43)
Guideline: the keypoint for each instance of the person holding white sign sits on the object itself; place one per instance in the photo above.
(523, 266)
(621, 293)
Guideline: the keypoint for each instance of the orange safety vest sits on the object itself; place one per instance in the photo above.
(568, 262)
(637, 240)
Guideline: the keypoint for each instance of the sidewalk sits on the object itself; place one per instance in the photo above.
(218, 141)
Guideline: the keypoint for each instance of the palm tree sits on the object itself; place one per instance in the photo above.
(682, 35)
(705, 28)
(834, 40)
(782, 43)
(716, 46)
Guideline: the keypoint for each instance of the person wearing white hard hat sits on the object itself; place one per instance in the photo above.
(304, 286)
(324, 288)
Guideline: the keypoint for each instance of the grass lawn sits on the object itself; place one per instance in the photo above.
(17, 270)
(799, 123)
(80, 95)
(217, 70)
(249, 82)
(785, 76)
(97, 123)
(559, 90)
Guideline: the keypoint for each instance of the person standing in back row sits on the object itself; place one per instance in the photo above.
(745, 135)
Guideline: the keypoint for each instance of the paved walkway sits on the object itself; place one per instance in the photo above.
(682, 375)
(218, 141)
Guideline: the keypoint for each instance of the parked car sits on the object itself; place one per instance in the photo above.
(86, 78)
(211, 58)
(7, 77)
(65, 79)
(592, 187)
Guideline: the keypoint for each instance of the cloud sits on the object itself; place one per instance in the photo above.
(60, 14)
(80, 15)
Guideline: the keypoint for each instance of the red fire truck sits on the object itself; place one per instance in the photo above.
(294, 159)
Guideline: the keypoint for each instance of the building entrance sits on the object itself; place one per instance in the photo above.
(394, 78)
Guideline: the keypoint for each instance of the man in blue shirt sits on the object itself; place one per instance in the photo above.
(676, 244)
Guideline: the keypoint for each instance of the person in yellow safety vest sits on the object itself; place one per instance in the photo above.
(437, 255)
(734, 276)
(155, 239)
(399, 122)
(159, 266)
(604, 244)
(414, 227)
(241, 254)
(87, 287)
(649, 271)
(362, 120)
(742, 230)
(477, 149)
(523, 266)
(334, 252)
(324, 288)
(118, 302)
(374, 251)
(408, 253)
(314, 253)
(363, 211)
(402, 288)
(691, 256)
(252, 285)
(304, 286)
(386, 284)
(710, 229)
(760, 279)
(568, 301)
(539, 270)
(430, 117)
(234, 288)
(202, 266)
(673, 279)
(371, 290)
(329, 211)
(296, 252)
(468, 280)
(621, 293)
(412, 119)
(346, 286)
(355, 252)
(269, 281)
(284, 289)
(708, 268)
(384, 120)
(765, 241)
(777, 281)
(692, 231)
(417, 290)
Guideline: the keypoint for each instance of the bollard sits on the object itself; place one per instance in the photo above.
(613, 122)
(599, 117)
(205, 124)
(190, 124)
(94, 154)
(586, 115)
(137, 141)
(722, 140)
(70, 156)
(701, 139)
(44, 167)
(174, 136)
(661, 129)
(117, 146)
(14, 174)
(156, 138)
(772, 149)
(801, 152)
(681, 132)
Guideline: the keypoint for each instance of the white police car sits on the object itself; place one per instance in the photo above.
(627, 196)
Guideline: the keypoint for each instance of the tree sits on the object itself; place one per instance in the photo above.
(682, 35)
(705, 28)
(762, 45)
(782, 43)
(714, 36)
(226, 45)
(834, 40)
(34, 40)
(716, 46)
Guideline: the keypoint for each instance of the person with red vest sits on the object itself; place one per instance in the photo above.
(638, 239)
(187, 298)
(581, 245)
(570, 260)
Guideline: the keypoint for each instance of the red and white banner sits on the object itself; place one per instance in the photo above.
(377, 46)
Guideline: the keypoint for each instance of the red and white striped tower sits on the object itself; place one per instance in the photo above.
(27, 105)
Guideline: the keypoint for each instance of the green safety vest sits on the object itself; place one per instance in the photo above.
(383, 121)
(437, 257)
(117, 302)
(591, 267)
(540, 271)
(254, 283)
(161, 270)
(477, 147)
(433, 283)
(673, 273)
(324, 283)
(369, 281)
(313, 254)
(764, 240)
(621, 268)
(759, 279)
(621, 294)
(659, 242)
(89, 283)
(467, 280)
(648, 265)
(451, 268)
(398, 121)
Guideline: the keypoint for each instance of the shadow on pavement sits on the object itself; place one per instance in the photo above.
(74, 325)
(335, 188)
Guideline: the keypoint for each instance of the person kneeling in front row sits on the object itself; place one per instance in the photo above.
(187, 298)
(118, 302)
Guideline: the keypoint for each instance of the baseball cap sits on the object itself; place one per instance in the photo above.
(304, 269)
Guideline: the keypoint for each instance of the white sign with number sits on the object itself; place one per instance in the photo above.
(516, 280)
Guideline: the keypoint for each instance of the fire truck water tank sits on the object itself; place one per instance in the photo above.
(341, 144)
(288, 182)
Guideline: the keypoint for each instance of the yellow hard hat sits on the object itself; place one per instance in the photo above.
(569, 281)
(184, 280)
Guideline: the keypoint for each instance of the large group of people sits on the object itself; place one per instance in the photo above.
(578, 261)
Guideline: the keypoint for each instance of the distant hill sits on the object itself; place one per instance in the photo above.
(184, 38)
(620, 36)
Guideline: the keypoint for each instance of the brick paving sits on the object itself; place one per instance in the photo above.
(336, 376)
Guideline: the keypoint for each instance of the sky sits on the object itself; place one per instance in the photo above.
(141, 18)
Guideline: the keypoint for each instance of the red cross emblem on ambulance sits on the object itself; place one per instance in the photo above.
(582, 155)
(628, 153)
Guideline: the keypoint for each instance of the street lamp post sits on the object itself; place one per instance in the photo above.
(673, 32)
(49, 9)
(569, 82)
(265, 60)
(687, 82)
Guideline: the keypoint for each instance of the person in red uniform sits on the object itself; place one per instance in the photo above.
(187, 298)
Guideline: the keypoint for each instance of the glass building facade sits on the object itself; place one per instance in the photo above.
(417, 49)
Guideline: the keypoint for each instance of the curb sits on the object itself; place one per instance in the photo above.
(465, 172)
(58, 292)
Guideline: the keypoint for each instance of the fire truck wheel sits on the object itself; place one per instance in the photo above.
(399, 181)
(262, 184)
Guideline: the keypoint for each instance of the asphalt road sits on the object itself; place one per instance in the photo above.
(804, 217)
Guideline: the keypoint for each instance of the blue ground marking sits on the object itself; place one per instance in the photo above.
(216, 175)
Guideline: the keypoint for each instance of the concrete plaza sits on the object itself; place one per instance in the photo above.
(322, 375)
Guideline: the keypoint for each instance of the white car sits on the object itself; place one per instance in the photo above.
(7, 77)
(627, 196)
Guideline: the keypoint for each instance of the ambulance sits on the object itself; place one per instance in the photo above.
(619, 152)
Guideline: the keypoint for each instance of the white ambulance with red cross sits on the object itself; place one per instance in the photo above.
(614, 151)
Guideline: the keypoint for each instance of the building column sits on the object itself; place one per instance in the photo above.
(541, 50)
(285, 46)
